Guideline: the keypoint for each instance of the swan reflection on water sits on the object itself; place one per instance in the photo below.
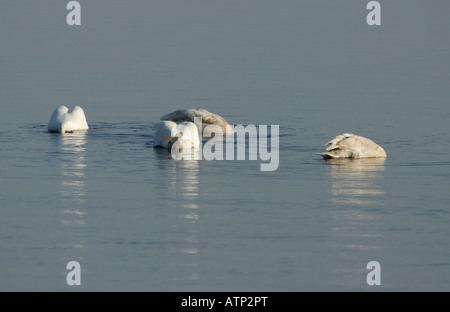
(73, 167)
(356, 193)
(356, 181)
(181, 193)
(72, 175)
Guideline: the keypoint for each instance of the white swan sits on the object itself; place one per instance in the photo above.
(208, 118)
(169, 132)
(348, 145)
(62, 121)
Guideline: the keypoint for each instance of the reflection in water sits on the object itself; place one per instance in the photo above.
(182, 178)
(354, 181)
(356, 192)
(73, 189)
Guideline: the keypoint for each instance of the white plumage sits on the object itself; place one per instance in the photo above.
(348, 145)
(169, 132)
(207, 118)
(63, 121)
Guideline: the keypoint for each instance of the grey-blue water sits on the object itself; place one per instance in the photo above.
(137, 220)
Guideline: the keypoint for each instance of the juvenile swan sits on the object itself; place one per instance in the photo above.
(169, 132)
(348, 145)
(208, 118)
(62, 121)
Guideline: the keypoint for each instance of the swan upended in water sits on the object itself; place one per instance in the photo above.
(169, 132)
(207, 117)
(63, 121)
(348, 145)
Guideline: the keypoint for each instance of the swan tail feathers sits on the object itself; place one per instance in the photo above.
(326, 155)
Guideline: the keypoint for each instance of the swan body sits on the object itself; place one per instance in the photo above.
(63, 121)
(208, 119)
(348, 145)
(169, 132)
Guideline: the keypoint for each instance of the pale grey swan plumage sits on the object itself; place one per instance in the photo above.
(207, 118)
(348, 145)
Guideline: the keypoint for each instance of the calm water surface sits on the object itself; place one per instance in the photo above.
(136, 220)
